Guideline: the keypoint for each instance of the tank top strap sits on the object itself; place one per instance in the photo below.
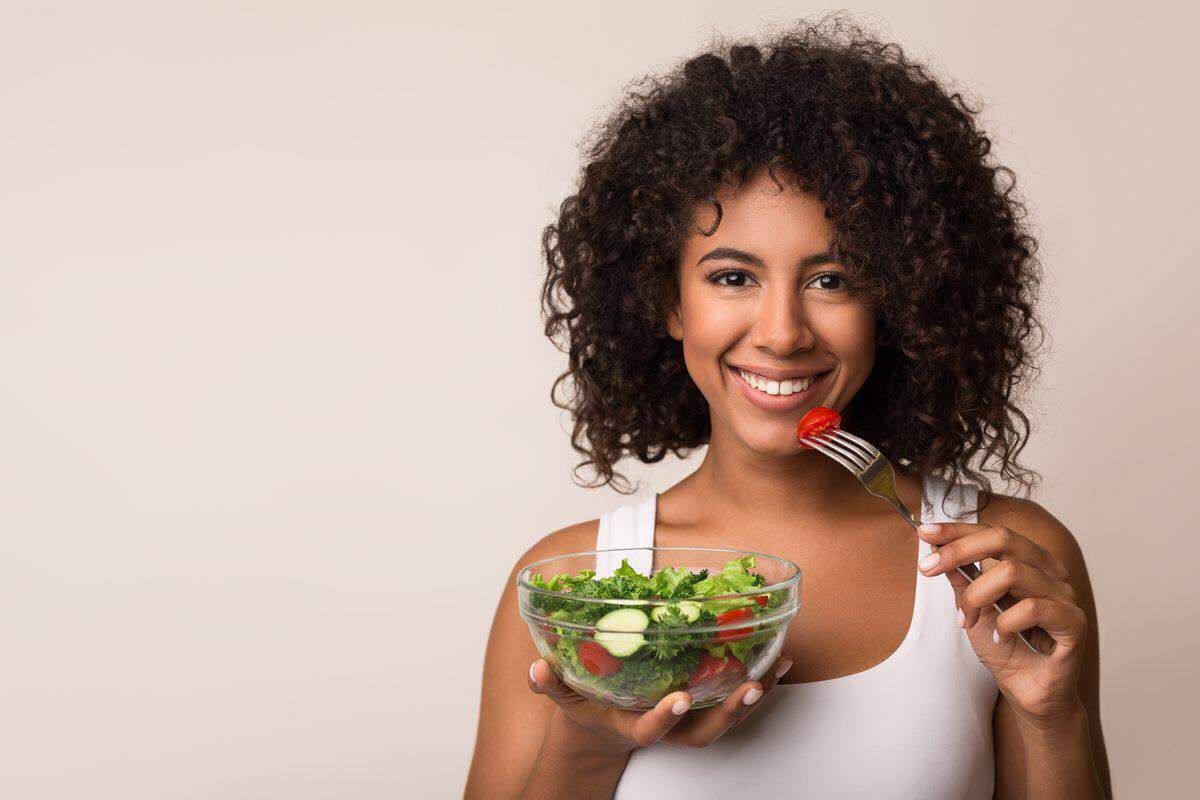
(942, 502)
(934, 622)
(627, 526)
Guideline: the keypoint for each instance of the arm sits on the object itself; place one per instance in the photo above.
(522, 747)
(1066, 758)
(563, 762)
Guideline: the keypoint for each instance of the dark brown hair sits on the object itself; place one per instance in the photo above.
(921, 222)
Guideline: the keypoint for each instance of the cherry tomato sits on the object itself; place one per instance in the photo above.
(550, 636)
(597, 660)
(733, 615)
(762, 599)
(716, 671)
(816, 421)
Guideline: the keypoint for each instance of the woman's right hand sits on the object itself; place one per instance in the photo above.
(608, 730)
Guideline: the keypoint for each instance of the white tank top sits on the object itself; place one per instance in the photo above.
(916, 725)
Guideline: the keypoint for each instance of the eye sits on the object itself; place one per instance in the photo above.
(734, 279)
(829, 281)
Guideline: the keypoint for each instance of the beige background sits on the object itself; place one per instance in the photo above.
(274, 408)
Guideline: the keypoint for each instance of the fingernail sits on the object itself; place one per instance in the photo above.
(532, 677)
(962, 618)
(784, 667)
(930, 561)
(680, 707)
(996, 636)
(929, 528)
(752, 695)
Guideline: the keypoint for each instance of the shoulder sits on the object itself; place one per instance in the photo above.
(509, 641)
(571, 539)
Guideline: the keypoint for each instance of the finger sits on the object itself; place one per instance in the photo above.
(962, 543)
(642, 728)
(967, 618)
(1065, 622)
(942, 532)
(708, 725)
(542, 680)
(769, 682)
(648, 728)
(1011, 577)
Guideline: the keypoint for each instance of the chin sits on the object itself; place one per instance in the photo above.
(773, 440)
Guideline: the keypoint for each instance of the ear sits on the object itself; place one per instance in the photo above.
(675, 322)
(670, 310)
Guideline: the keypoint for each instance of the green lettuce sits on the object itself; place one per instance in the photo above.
(734, 578)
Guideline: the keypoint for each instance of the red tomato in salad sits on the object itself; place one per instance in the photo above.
(817, 421)
(716, 671)
(597, 660)
(762, 599)
(733, 615)
(550, 636)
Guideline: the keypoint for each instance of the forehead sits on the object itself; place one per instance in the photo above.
(760, 217)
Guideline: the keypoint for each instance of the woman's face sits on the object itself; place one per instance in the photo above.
(768, 326)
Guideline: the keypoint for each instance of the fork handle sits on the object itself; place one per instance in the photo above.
(971, 572)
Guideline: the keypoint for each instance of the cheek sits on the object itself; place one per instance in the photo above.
(710, 328)
(848, 331)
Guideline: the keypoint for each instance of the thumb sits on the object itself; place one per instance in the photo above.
(543, 681)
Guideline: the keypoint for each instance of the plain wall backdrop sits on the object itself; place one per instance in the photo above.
(274, 407)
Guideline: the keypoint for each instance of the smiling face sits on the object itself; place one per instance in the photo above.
(768, 324)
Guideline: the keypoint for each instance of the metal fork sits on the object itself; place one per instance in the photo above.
(874, 471)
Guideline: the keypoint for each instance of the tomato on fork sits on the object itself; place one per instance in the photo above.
(816, 422)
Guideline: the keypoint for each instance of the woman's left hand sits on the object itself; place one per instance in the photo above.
(1041, 686)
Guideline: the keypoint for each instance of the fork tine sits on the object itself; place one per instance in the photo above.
(849, 452)
(829, 447)
(853, 443)
(871, 449)
(838, 457)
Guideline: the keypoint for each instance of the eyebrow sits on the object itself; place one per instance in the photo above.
(749, 258)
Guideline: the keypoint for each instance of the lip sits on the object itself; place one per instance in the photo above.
(779, 402)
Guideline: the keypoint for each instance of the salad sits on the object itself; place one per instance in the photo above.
(648, 650)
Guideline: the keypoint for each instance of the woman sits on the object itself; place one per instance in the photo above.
(811, 222)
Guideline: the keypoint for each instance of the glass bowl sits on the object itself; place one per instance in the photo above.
(633, 660)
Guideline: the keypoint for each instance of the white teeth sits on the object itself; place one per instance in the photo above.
(771, 387)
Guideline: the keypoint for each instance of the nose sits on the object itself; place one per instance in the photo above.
(780, 324)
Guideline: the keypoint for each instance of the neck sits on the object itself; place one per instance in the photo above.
(742, 483)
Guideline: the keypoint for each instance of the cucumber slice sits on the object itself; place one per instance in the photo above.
(623, 637)
(624, 619)
(690, 610)
(620, 644)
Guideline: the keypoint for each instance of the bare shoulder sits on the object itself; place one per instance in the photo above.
(507, 624)
(571, 539)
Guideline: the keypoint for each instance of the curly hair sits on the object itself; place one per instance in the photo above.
(920, 221)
